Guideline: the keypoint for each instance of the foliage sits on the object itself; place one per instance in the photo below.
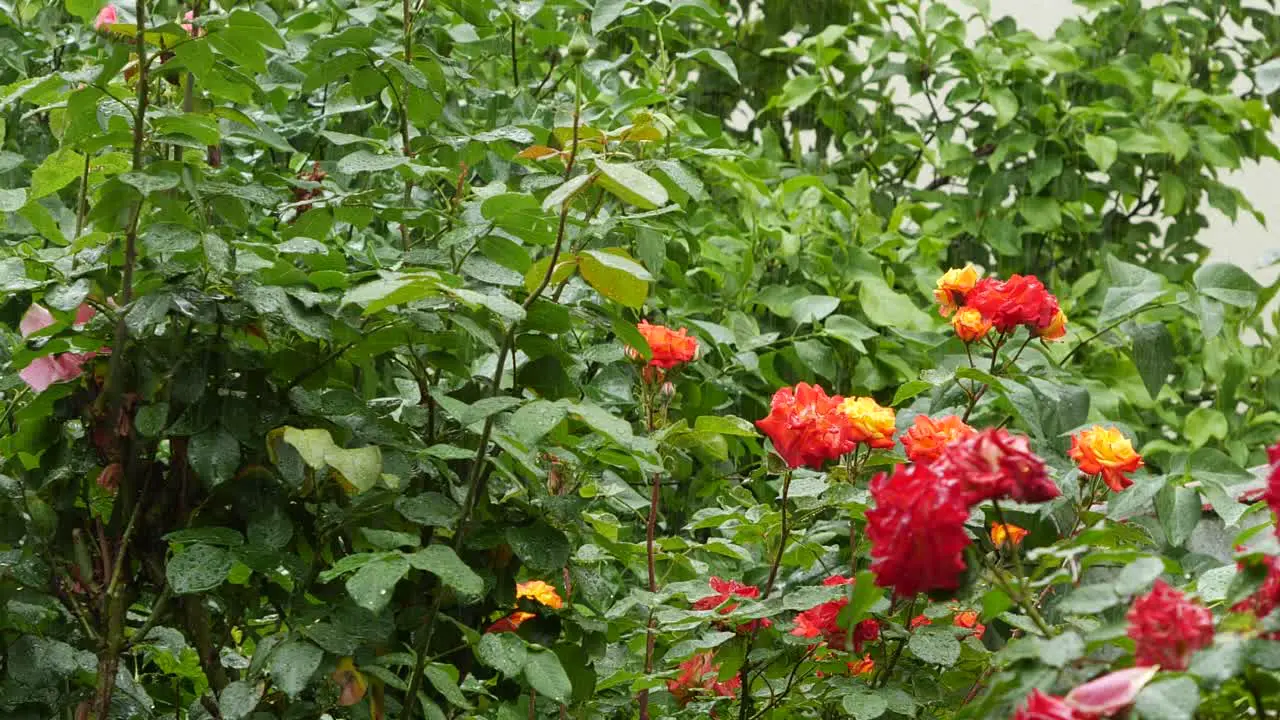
(362, 279)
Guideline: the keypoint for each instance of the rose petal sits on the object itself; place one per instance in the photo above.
(36, 319)
(1112, 692)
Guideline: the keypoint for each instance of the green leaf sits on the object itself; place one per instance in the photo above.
(1136, 498)
(1153, 354)
(813, 308)
(1175, 699)
(429, 509)
(1179, 509)
(604, 13)
(214, 455)
(796, 92)
(362, 467)
(615, 276)
(365, 161)
(57, 171)
(546, 675)
(1203, 424)
(935, 645)
(507, 653)
(719, 58)
(631, 185)
(1213, 584)
(444, 563)
(312, 445)
(1089, 599)
(864, 704)
(908, 390)
(565, 192)
(886, 307)
(444, 678)
(371, 586)
(1059, 650)
(1138, 575)
(88, 9)
(1004, 103)
(725, 425)
(1220, 662)
(12, 200)
(198, 568)
(238, 699)
(1174, 193)
(293, 664)
(1102, 150)
(1227, 283)
(147, 183)
(540, 546)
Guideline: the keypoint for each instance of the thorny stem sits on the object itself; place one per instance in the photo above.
(82, 202)
(407, 18)
(478, 464)
(113, 395)
(1115, 324)
(744, 709)
(883, 677)
(1002, 581)
(651, 528)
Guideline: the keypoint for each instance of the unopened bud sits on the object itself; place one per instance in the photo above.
(668, 391)
(578, 46)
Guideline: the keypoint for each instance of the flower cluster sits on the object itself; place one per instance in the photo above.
(699, 675)
(50, 369)
(538, 591)
(917, 526)
(822, 621)
(917, 530)
(1106, 452)
(980, 304)
(1166, 628)
(810, 428)
(724, 591)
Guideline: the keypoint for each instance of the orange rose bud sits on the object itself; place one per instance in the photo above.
(927, 437)
(970, 325)
(353, 682)
(541, 592)
(511, 623)
(873, 424)
(1001, 532)
(1106, 452)
(953, 286)
(1057, 329)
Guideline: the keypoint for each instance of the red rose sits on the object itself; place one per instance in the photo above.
(823, 621)
(1020, 300)
(995, 463)
(1166, 628)
(1045, 707)
(726, 590)
(1266, 598)
(807, 427)
(699, 675)
(917, 530)
(969, 619)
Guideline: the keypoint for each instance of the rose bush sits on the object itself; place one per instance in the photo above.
(612, 358)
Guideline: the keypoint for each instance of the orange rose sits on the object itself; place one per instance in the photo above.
(872, 423)
(670, 347)
(1106, 452)
(865, 666)
(927, 437)
(807, 427)
(953, 286)
(1000, 532)
(1057, 327)
(511, 623)
(541, 592)
(969, 619)
(970, 325)
(353, 682)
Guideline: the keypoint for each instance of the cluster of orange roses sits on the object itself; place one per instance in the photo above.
(980, 304)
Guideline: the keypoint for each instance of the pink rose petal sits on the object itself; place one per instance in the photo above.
(1110, 693)
(84, 314)
(41, 373)
(106, 16)
(36, 319)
